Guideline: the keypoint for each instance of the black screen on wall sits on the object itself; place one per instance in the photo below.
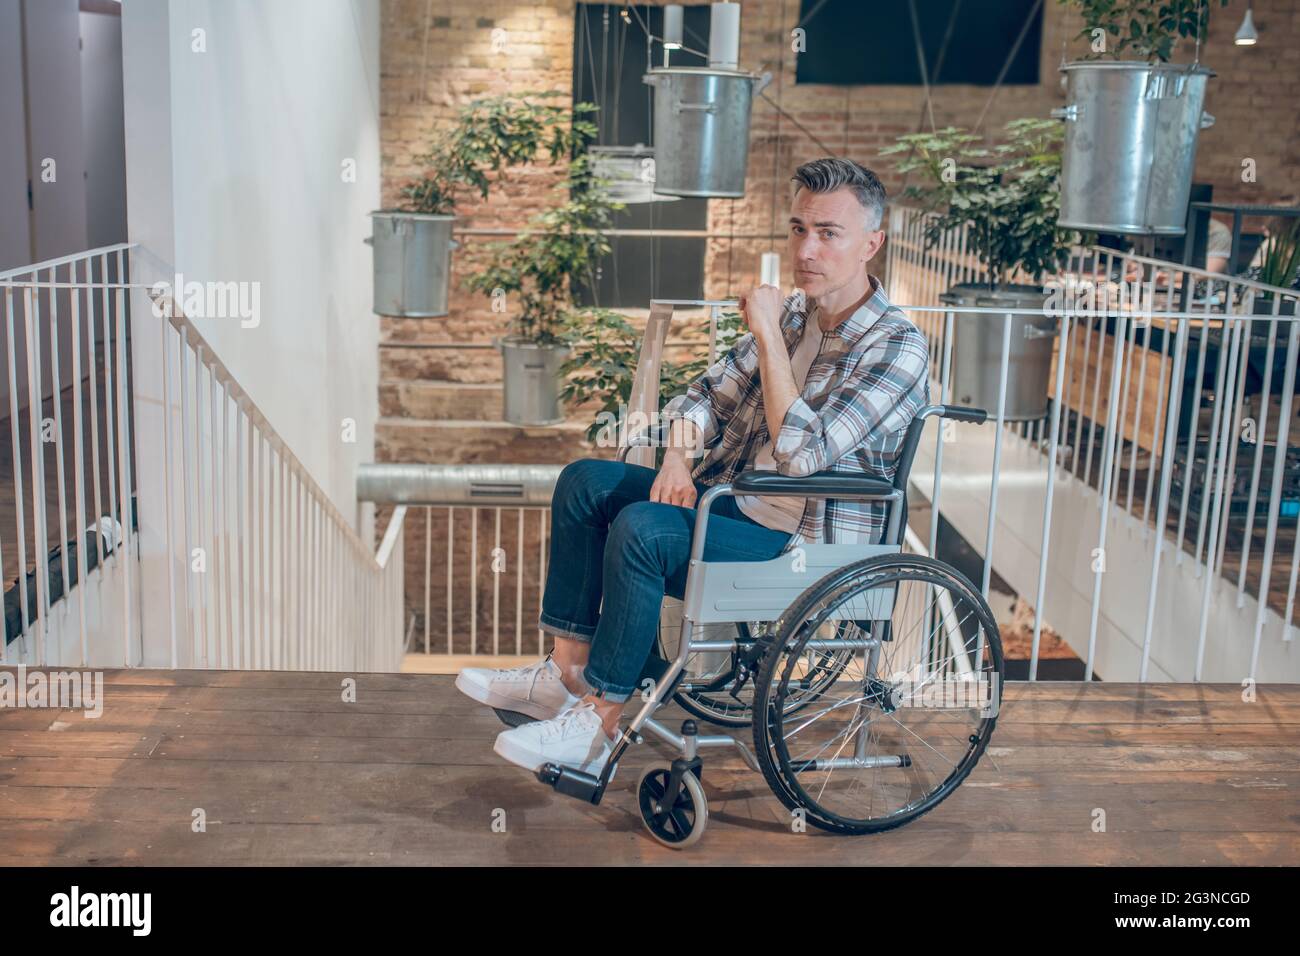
(873, 42)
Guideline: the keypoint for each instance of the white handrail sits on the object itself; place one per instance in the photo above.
(211, 361)
(262, 570)
(329, 588)
(43, 311)
(10, 274)
(1101, 388)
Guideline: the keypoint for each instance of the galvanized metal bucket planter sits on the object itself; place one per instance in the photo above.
(977, 350)
(629, 172)
(412, 262)
(532, 381)
(1130, 145)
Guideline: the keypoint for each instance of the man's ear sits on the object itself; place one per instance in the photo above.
(875, 239)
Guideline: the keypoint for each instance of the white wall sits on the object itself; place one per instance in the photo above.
(260, 125)
(71, 102)
(102, 129)
(49, 79)
(53, 82)
(15, 224)
(234, 161)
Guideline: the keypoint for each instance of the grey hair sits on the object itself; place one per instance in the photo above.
(827, 175)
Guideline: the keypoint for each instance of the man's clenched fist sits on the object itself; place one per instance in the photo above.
(761, 308)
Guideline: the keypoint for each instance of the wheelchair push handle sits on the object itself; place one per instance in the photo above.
(912, 439)
(963, 413)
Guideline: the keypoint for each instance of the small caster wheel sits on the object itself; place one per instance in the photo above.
(512, 718)
(680, 825)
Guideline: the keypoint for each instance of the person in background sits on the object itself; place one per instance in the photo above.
(1218, 253)
(1218, 247)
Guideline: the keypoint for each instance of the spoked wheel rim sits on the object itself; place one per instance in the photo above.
(881, 746)
(683, 823)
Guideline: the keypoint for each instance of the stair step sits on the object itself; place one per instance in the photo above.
(445, 364)
(470, 441)
(435, 401)
(438, 400)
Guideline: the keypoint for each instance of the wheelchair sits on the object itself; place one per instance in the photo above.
(870, 693)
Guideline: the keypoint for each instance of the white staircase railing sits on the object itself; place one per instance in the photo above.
(1078, 540)
(64, 317)
(262, 570)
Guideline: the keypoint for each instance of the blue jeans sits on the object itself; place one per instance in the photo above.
(608, 540)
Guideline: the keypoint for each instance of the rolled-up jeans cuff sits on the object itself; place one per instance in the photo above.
(577, 632)
(611, 692)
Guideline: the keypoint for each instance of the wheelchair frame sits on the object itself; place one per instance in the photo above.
(708, 599)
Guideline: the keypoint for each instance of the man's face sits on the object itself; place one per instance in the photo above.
(830, 240)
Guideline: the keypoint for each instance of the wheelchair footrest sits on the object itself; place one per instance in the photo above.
(572, 783)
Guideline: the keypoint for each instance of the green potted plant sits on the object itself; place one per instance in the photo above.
(1008, 196)
(539, 267)
(602, 365)
(412, 243)
(1279, 265)
(1132, 124)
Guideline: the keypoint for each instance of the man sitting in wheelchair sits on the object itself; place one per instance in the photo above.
(827, 378)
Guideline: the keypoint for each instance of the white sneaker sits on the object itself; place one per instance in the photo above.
(535, 690)
(576, 738)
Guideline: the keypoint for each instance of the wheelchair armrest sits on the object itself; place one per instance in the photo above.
(823, 484)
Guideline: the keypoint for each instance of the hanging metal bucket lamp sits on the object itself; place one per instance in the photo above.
(701, 116)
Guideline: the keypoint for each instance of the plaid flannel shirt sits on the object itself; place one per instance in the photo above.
(861, 393)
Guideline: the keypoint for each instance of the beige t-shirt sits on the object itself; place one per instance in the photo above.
(780, 513)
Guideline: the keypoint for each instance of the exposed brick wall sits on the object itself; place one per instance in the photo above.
(1254, 101)
(438, 54)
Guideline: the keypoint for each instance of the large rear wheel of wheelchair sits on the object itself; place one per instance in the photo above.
(908, 717)
(719, 686)
(680, 823)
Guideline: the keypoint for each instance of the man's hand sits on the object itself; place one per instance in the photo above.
(761, 309)
(673, 484)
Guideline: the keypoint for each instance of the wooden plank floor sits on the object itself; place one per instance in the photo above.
(286, 772)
